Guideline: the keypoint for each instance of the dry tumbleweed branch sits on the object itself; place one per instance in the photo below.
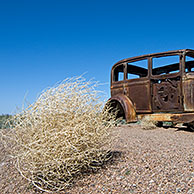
(62, 134)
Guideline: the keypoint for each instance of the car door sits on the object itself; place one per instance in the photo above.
(118, 80)
(137, 85)
(166, 84)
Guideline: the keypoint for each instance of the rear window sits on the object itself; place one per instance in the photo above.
(118, 73)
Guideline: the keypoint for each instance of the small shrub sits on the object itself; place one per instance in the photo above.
(148, 124)
(65, 132)
(4, 121)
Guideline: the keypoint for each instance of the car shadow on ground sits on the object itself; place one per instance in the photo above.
(177, 127)
(187, 129)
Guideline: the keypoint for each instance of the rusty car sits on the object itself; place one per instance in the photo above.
(159, 86)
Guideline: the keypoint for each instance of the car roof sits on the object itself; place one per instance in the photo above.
(160, 54)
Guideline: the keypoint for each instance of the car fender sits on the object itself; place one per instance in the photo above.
(127, 105)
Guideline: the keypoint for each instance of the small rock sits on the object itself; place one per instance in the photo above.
(151, 181)
(2, 164)
(178, 190)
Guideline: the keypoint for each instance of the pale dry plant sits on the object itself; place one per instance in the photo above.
(148, 124)
(65, 132)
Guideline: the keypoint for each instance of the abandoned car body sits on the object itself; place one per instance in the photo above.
(159, 86)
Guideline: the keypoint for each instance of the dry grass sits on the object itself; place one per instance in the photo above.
(62, 134)
(148, 124)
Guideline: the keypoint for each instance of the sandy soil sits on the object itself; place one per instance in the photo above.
(145, 161)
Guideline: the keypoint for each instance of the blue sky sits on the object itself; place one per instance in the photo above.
(44, 41)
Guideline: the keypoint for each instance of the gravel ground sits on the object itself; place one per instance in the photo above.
(146, 161)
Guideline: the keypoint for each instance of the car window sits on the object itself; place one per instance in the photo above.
(118, 74)
(165, 65)
(189, 64)
(137, 69)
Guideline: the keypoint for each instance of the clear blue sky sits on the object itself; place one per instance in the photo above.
(44, 41)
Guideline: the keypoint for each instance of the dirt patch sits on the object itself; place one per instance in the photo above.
(146, 161)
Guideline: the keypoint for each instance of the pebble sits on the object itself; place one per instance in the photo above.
(151, 181)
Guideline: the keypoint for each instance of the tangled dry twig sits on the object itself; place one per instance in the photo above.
(63, 133)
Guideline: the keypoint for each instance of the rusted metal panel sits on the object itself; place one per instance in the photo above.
(126, 105)
(139, 93)
(188, 93)
(169, 117)
(167, 95)
(117, 89)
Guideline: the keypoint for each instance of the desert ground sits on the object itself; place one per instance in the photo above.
(160, 160)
